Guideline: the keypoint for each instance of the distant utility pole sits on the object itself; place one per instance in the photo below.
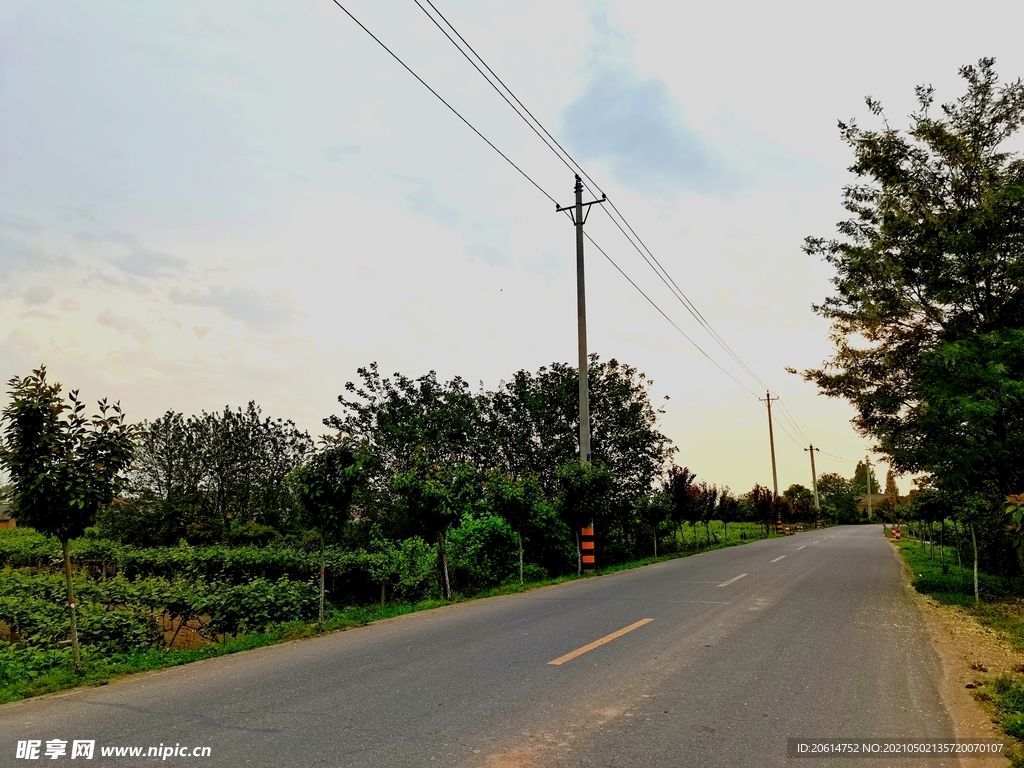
(771, 441)
(867, 473)
(814, 478)
(579, 217)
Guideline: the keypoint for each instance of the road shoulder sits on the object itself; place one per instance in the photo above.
(963, 645)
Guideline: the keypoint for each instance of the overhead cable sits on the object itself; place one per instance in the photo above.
(627, 230)
(539, 188)
(455, 111)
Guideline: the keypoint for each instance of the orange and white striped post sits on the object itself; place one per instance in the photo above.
(587, 545)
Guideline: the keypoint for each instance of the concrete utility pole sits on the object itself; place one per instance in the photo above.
(771, 441)
(867, 474)
(579, 217)
(814, 478)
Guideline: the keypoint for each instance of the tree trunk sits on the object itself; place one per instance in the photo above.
(321, 578)
(444, 566)
(382, 593)
(959, 562)
(974, 541)
(71, 603)
(655, 543)
(579, 555)
(519, 540)
(942, 541)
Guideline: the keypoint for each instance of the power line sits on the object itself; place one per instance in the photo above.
(714, 361)
(535, 184)
(786, 432)
(792, 421)
(477, 68)
(566, 159)
(839, 458)
(453, 109)
(574, 165)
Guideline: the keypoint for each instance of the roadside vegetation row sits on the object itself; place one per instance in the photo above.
(182, 533)
(944, 572)
(149, 622)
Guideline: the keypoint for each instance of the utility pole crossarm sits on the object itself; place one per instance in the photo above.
(571, 209)
(578, 216)
(576, 213)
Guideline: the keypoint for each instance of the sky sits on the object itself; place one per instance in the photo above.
(206, 203)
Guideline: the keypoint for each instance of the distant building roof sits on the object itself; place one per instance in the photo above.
(876, 500)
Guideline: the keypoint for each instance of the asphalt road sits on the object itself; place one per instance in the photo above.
(817, 639)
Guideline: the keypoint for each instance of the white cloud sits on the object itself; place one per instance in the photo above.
(152, 264)
(424, 200)
(38, 295)
(334, 154)
(633, 123)
(124, 325)
(258, 311)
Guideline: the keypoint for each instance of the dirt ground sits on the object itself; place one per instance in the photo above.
(970, 653)
(187, 637)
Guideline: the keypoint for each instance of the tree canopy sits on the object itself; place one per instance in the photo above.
(928, 309)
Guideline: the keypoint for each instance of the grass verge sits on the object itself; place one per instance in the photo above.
(99, 670)
(1000, 608)
(937, 573)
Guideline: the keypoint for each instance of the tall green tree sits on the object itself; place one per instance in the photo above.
(511, 500)
(762, 501)
(928, 310)
(533, 422)
(864, 477)
(219, 475)
(63, 465)
(891, 490)
(326, 485)
(434, 495)
(678, 485)
(838, 498)
(730, 510)
(402, 417)
(584, 495)
(529, 425)
(801, 502)
(706, 506)
(653, 511)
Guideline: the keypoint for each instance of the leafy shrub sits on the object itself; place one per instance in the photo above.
(417, 570)
(117, 631)
(483, 552)
(18, 663)
(255, 606)
(533, 572)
